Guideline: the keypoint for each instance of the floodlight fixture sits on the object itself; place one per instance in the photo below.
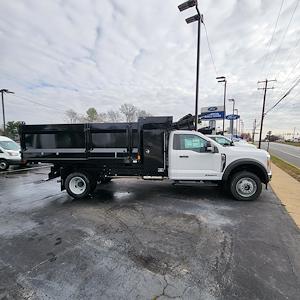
(187, 5)
(221, 78)
(192, 19)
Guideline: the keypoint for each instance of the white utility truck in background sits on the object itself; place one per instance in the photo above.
(9, 153)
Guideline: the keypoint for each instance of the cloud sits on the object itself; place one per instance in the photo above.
(77, 54)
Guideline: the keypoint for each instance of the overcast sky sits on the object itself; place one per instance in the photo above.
(78, 54)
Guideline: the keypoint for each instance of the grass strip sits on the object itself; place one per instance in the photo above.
(285, 166)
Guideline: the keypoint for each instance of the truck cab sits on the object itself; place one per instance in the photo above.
(196, 157)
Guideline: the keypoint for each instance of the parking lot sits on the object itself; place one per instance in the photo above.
(138, 239)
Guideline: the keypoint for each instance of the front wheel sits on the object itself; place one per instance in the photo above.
(245, 186)
(78, 185)
(3, 165)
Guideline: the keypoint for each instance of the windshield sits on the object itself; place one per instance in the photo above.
(9, 145)
(222, 140)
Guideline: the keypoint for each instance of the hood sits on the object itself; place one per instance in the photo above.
(244, 150)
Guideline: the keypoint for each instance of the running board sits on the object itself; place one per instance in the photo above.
(153, 178)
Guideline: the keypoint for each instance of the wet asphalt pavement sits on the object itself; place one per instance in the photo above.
(140, 239)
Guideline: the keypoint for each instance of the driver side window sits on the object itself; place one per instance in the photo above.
(189, 142)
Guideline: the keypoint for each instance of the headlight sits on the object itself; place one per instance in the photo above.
(13, 153)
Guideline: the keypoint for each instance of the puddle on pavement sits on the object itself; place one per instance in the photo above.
(121, 195)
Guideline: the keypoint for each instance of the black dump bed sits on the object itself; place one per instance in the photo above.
(125, 148)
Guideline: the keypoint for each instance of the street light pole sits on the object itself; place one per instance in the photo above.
(236, 126)
(4, 91)
(198, 66)
(198, 17)
(3, 111)
(223, 79)
(231, 121)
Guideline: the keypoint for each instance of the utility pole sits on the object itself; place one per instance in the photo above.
(4, 91)
(269, 136)
(294, 134)
(265, 88)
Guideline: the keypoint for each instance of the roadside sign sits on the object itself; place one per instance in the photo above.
(212, 113)
(232, 117)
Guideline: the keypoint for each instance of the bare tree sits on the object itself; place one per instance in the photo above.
(113, 116)
(142, 114)
(102, 117)
(72, 116)
(129, 111)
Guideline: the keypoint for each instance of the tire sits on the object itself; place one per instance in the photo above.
(3, 165)
(245, 186)
(106, 180)
(93, 184)
(78, 185)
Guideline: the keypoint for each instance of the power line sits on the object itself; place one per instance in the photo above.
(284, 34)
(288, 58)
(209, 48)
(290, 73)
(273, 34)
(37, 103)
(284, 96)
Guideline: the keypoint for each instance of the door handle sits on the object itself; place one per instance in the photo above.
(184, 156)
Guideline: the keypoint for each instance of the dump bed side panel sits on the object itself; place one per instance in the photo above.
(113, 148)
(53, 142)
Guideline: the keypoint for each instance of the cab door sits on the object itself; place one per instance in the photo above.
(191, 158)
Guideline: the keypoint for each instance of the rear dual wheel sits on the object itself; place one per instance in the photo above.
(78, 185)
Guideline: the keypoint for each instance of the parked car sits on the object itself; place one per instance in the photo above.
(9, 153)
(226, 141)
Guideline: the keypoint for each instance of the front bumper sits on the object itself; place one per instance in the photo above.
(17, 161)
(270, 176)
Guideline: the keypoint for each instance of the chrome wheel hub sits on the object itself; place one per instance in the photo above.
(2, 165)
(77, 185)
(246, 187)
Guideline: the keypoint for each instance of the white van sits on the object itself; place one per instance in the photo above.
(9, 153)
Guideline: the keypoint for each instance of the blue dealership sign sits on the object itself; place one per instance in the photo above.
(232, 117)
(212, 113)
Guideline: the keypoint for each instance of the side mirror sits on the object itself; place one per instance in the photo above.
(209, 147)
(231, 143)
